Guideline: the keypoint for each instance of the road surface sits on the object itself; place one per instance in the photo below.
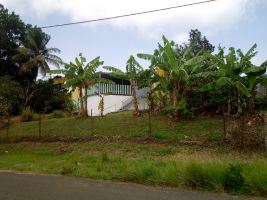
(15, 186)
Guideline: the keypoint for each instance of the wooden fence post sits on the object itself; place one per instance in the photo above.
(92, 122)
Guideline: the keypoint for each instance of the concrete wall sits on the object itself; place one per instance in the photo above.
(112, 103)
(261, 90)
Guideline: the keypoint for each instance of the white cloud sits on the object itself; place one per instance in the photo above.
(210, 18)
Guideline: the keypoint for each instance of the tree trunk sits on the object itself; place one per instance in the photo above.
(239, 105)
(150, 99)
(224, 125)
(229, 106)
(81, 101)
(149, 121)
(175, 112)
(8, 126)
(85, 101)
(250, 105)
(40, 124)
(202, 104)
(135, 101)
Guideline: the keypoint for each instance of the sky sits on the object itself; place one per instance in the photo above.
(237, 23)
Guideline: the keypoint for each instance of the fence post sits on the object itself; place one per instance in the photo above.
(92, 122)
(224, 126)
(40, 124)
(149, 121)
(7, 128)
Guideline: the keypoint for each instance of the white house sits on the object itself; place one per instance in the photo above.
(117, 96)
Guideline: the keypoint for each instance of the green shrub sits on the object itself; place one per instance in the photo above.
(233, 179)
(165, 151)
(142, 172)
(256, 179)
(215, 137)
(104, 156)
(58, 114)
(27, 115)
(68, 170)
(197, 178)
(162, 136)
(260, 103)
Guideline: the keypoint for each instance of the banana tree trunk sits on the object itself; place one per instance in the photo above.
(250, 105)
(81, 100)
(85, 101)
(202, 104)
(229, 106)
(134, 94)
(40, 125)
(175, 101)
(239, 105)
(150, 99)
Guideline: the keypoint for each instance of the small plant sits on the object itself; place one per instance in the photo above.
(215, 137)
(101, 105)
(104, 156)
(67, 170)
(197, 178)
(165, 151)
(162, 136)
(27, 115)
(233, 179)
(58, 114)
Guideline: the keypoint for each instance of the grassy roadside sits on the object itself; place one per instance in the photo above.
(185, 167)
(124, 124)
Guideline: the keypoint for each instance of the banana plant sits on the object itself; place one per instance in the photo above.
(133, 69)
(235, 73)
(253, 74)
(81, 75)
(172, 68)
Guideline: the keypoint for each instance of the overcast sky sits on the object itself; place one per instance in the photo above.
(238, 23)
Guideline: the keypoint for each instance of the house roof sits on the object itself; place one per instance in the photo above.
(120, 81)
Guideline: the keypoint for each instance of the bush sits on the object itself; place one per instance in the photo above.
(233, 179)
(197, 178)
(256, 179)
(68, 170)
(260, 103)
(104, 156)
(162, 136)
(58, 114)
(27, 115)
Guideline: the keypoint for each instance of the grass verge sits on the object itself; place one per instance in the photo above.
(216, 169)
(123, 124)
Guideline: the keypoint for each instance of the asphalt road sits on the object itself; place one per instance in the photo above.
(41, 187)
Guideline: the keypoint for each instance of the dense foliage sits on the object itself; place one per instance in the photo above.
(186, 80)
(183, 80)
(23, 55)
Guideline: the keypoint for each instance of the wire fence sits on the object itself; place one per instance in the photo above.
(246, 132)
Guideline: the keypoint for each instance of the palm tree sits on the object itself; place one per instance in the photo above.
(133, 69)
(34, 54)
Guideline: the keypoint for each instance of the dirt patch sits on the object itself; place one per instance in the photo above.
(62, 149)
(246, 132)
(107, 139)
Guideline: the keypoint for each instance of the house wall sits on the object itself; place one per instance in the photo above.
(112, 103)
(261, 90)
(75, 95)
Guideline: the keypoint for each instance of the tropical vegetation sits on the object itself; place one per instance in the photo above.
(192, 88)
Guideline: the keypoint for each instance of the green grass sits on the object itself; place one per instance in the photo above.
(207, 169)
(124, 124)
(183, 167)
